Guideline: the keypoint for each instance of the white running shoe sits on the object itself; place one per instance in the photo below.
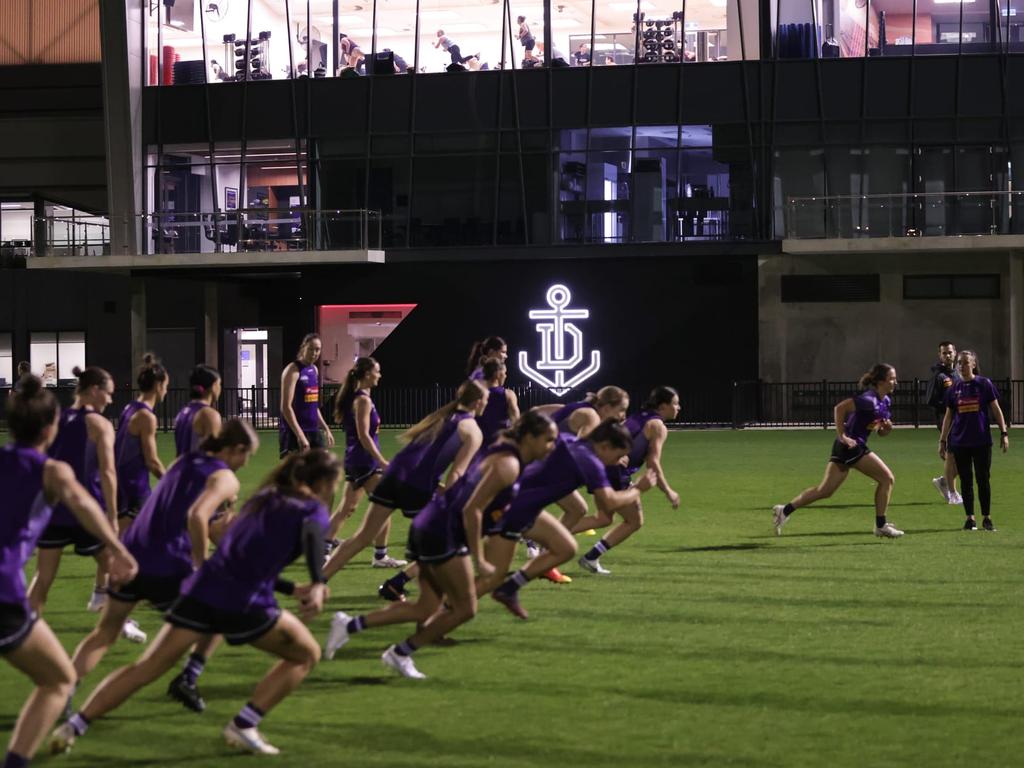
(401, 664)
(955, 498)
(338, 635)
(779, 518)
(248, 739)
(388, 562)
(941, 486)
(96, 602)
(132, 632)
(62, 738)
(888, 531)
(594, 566)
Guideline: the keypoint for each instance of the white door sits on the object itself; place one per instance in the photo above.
(246, 365)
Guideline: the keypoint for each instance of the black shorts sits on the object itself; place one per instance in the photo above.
(59, 536)
(289, 443)
(847, 457)
(237, 628)
(359, 476)
(160, 591)
(394, 494)
(529, 42)
(431, 548)
(15, 626)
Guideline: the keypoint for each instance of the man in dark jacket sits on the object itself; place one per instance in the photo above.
(943, 377)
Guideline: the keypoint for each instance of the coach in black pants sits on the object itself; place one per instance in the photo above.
(965, 431)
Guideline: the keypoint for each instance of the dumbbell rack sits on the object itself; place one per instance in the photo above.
(251, 55)
(661, 40)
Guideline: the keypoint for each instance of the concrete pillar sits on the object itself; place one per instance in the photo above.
(138, 320)
(211, 325)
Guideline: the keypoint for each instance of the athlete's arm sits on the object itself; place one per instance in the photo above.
(512, 403)
(59, 484)
(221, 486)
(102, 434)
(997, 416)
(361, 408)
(947, 424)
(207, 422)
(288, 380)
(499, 472)
(145, 421)
(547, 410)
(657, 434)
(472, 438)
(843, 409)
(328, 435)
(582, 421)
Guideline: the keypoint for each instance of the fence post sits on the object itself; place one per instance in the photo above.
(735, 405)
(824, 397)
(252, 406)
(917, 403)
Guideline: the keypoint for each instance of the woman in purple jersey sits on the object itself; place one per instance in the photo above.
(301, 419)
(648, 434)
(502, 405)
(856, 418)
(135, 442)
(232, 594)
(364, 462)
(199, 418)
(448, 436)
(32, 484)
(444, 536)
(492, 346)
(170, 539)
(970, 405)
(86, 442)
(579, 418)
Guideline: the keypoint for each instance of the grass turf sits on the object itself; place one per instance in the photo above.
(713, 643)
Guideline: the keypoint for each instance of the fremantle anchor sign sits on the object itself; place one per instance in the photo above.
(561, 345)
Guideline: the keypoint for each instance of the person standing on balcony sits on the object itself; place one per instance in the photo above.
(970, 404)
(943, 376)
(856, 418)
(301, 420)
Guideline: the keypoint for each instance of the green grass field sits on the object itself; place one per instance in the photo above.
(713, 643)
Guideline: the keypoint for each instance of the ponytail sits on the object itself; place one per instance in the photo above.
(233, 432)
(30, 409)
(879, 372)
(92, 376)
(661, 395)
(347, 393)
(201, 381)
(482, 349)
(303, 469)
(151, 373)
(470, 393)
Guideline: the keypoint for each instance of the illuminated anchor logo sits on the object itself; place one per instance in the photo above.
(553, 330)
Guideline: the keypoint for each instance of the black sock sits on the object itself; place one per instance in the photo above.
(379, 553)
(400, 579)
(13, 760)
(249, 717)
(879, 521)
(788, 510)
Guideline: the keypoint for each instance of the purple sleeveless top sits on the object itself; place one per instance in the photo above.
(443, 515)
(561, 416)
(159, 537)
(264, 539)
(355, 454)
(132, 473)
(74, 447)
(421, 463)
(636, 425)
(24, 513)
(495, 415)
(306, 399)
(185, 438)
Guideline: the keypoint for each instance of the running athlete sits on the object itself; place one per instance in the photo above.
(32, 484)
(502, 405)
(364, 462)
(943, 376)
(647, 433)
(492, 346)
(970, 405)
(199, 419)
(856, 418)
(442, 538)
(301, 420)
(135, 452)
(448, 436)
(170, 540)
(581, 417)
(574, 462)
(232, 594)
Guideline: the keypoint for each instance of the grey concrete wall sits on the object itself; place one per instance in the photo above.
(839, 341)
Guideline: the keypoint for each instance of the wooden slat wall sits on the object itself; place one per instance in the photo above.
(49, 31)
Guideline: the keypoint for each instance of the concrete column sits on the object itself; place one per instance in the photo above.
(138, 320)
(211, 325)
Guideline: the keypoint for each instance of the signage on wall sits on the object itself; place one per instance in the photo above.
(561, 345)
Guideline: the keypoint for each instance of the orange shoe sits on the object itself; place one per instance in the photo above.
(556, 576)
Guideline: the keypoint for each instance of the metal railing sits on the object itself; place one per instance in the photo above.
(736, 405)
(904, 215)
(75, 235)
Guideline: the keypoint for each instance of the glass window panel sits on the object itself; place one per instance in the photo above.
(396, 36)
(43, 356)
(16, 221)
(70, 354)
(469, 34)
(6, 360)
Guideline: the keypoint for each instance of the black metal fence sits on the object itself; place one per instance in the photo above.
(736, 405)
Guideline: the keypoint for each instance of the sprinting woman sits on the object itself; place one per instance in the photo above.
(199, 419)
(573, 463)
(492, 346)
(232, 594)
(856, 418)
(364, 462)
(135, 452)
(301, 421)
(647, 433)
(448, 436)
(502, 404)
(170, 540)
(442, 539)
(579, 418)
(32, 484)
(972, 403)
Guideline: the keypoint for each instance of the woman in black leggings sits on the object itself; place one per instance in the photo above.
(970, 404)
